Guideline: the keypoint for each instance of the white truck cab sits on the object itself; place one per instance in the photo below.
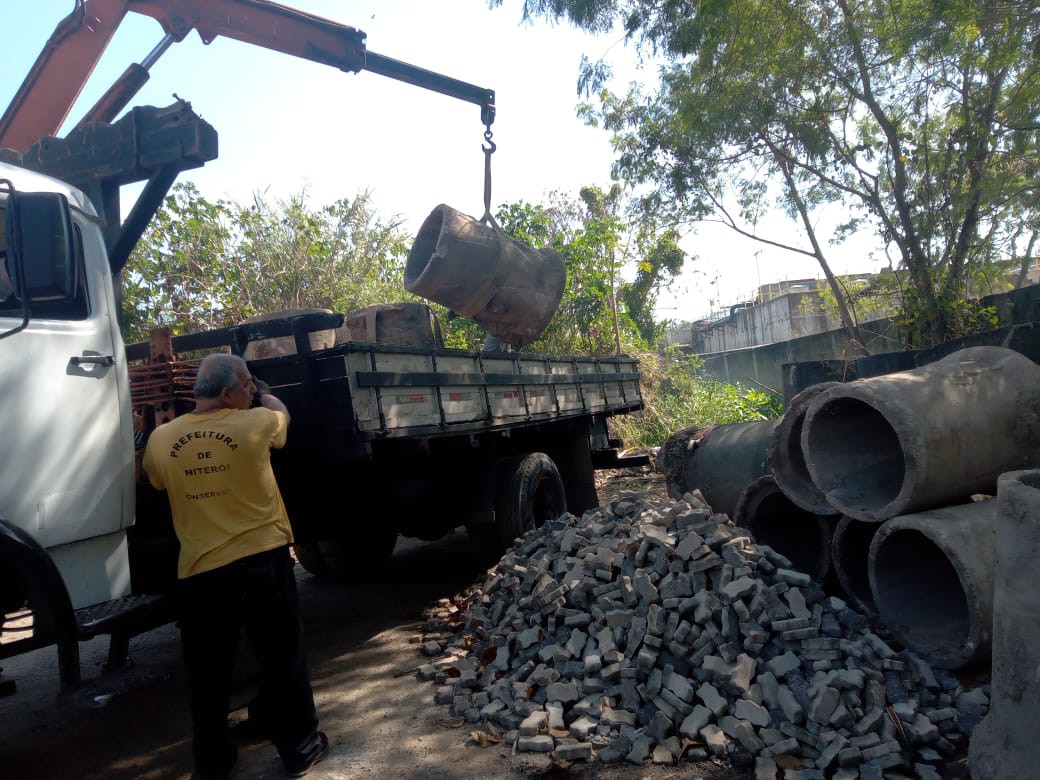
(67, 480)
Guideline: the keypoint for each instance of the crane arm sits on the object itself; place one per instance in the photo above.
(48, 93)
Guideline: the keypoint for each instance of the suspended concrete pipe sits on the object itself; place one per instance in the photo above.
(801, 536)
(896, 444)
(785, 459)
(720, 461)
(850, 550)
(508, 288)
(931, 575)
(1005, 743)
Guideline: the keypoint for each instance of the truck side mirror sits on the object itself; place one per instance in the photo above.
(41, 257)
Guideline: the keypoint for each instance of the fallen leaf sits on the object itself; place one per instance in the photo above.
(453, 723)
(897, 723)
(484, 739)
(559, 733)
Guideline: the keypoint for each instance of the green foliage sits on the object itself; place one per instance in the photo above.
(599, 310)
(888, 295)
(660, 257)
(204, 264)
(869, 298)
(207, 264)
(914, 117)
(677, 396)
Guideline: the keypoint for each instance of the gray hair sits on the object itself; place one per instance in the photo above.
(216, 372)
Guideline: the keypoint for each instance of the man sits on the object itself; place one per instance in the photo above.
(234, 568)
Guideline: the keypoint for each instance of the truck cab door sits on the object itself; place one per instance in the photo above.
(67, 473)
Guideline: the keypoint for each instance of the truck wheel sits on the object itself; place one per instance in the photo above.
(310, 557)
(529, 492)
(357, 557)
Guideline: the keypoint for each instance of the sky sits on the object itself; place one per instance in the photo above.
(286, 124)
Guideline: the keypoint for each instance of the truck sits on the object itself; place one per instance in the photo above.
(387, 438)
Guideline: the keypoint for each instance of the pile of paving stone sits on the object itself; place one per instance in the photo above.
(656, 630)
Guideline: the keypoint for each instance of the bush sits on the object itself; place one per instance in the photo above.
(677, 396)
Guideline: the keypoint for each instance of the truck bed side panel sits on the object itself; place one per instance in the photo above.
(395, 391)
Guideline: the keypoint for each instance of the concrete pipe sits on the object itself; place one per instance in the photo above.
(896, 444)
(510, 289)
(801, 536)
(1005, 743)
(785, 459)
(850, 549)
(720, 461)
(931, 575)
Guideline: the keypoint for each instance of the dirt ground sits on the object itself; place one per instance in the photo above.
(381, 722)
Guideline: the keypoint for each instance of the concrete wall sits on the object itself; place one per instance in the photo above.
(766, 366)
(762, 366)
(789, 316)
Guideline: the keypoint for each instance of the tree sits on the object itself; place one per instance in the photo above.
(660, 258)
(916, 117)
(600, 313)
(204, 264)
(207, 264)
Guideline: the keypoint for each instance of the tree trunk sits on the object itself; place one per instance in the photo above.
(613, 304)
(848, 323)
(1027, 258)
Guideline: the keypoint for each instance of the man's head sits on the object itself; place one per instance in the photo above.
(224, 382)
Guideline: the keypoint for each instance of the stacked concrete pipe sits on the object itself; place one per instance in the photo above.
(895, 444)
(801, 536)
(785, 459)
(718, 460)
(850, 551)
(1006, 743)
(931, 576)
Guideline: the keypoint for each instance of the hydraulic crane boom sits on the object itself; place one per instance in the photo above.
(51, 88)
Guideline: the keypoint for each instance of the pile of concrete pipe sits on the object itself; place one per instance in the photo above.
(872, 482)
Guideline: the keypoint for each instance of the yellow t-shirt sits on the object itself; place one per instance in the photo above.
(216, 469)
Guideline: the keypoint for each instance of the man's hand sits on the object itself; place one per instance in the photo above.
(262, 389)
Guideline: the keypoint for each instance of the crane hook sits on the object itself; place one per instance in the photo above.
(489, 149)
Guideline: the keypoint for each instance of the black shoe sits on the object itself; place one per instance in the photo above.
(301, 765)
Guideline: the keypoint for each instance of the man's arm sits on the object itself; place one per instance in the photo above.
(274, 403)
(151, 468)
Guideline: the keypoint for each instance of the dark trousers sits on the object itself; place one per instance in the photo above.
(257, 593)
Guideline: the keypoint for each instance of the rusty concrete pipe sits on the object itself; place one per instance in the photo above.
(718, 460)
(1005, 743)
(850, 549)
(931, 575)
(801, 536)
(510, 289)
(785, 459)
(896, 444)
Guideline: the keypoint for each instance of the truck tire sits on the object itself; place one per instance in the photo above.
(360, 556)
(309, 556)
(529, 492)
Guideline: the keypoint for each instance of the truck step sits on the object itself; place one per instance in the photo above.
(143, 611)
(609, 459)
(633, 461)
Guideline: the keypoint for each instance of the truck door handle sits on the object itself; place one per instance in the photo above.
(99, 360)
